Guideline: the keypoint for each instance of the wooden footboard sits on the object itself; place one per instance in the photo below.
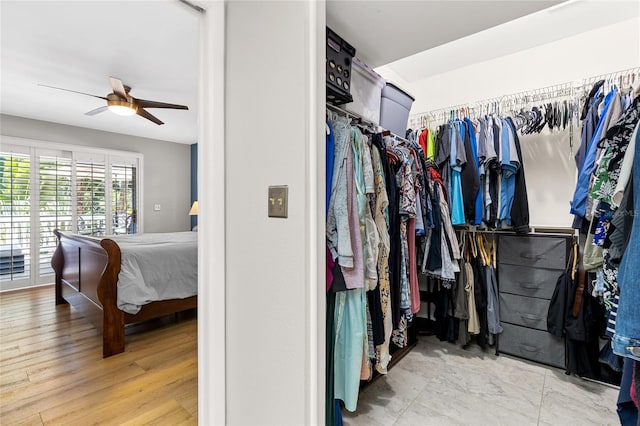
(86, 271)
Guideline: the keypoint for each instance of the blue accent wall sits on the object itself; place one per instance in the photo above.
(194, 180)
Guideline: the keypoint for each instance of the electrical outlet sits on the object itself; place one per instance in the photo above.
(156, 207)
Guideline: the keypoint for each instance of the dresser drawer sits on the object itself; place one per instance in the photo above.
(526, 281)
(532, 344)
(535, 252)
(526, 311)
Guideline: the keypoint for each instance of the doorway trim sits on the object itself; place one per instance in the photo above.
(211, 221)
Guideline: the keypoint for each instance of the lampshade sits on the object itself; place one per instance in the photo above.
(194, 209)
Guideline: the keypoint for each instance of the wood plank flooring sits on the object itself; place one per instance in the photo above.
(52, 371)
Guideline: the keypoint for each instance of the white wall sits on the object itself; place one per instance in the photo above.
(549, 167)
(167, 166)
(272, 127)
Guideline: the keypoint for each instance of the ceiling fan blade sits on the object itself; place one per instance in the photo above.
(153, 104)
(118, 87)
(142, 113)
(73, 91)
(97, 110)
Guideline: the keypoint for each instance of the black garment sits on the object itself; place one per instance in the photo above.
(445, 326)
(556, 314)
(587, 101)
(494, 170)
(375, 311)
(443, 152)
(434, 258)
(393, 195)
(583, 331)
(338, 283)
(520, 206)
(469, 177)
(395, 252)
(549, 116)
(480, 295)
(543, 120)
(579, 328)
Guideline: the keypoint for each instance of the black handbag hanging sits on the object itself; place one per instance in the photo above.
(557, 305)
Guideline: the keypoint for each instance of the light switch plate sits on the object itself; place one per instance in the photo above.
(278, 201)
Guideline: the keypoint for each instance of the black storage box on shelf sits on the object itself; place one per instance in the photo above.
(338, 69)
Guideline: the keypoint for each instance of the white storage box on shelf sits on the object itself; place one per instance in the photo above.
(366, 89)
(394, 109)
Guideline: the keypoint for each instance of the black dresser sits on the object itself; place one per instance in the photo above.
(528, 268)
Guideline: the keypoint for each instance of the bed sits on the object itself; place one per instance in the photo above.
(125, 279)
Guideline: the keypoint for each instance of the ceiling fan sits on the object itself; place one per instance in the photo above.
(122, 103)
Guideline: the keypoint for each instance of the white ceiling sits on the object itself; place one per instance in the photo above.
(536, 29)
(385, 31)
(153, 47)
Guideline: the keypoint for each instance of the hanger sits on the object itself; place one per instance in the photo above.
(575, 260)
(494, 250)
(393, 157)
(482, 249)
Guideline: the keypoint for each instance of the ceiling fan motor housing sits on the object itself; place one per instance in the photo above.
(115, 100)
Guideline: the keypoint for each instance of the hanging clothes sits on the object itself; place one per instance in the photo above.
(579, 202)
(626, 340)
(456, 161)
(338, 233)
(381, 217)
(470, 178)
(461, 308)
(520, 206)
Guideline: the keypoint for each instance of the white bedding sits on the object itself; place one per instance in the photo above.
(156, 267)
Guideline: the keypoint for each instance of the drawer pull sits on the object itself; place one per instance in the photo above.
(529, 348)
(530, 317)
(532, 286)
(531, 256)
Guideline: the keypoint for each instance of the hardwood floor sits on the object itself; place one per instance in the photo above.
(52, 371)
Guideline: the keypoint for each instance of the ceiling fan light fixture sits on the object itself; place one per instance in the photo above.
(122, 107)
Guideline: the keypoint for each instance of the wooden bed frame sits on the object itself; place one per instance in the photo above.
(86, 271)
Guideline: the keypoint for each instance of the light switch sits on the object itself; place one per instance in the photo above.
(278, 201)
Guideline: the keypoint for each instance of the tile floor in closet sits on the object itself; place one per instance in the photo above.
(439, 383)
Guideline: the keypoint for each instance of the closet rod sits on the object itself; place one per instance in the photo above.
(625, 77)
(533, 230)
(562, 90)
(376, 126)
(349, 114)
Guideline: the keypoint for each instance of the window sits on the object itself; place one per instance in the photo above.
(55, 211)
(90, 199)
(81, 190)
(15, 222)
(123, 198)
